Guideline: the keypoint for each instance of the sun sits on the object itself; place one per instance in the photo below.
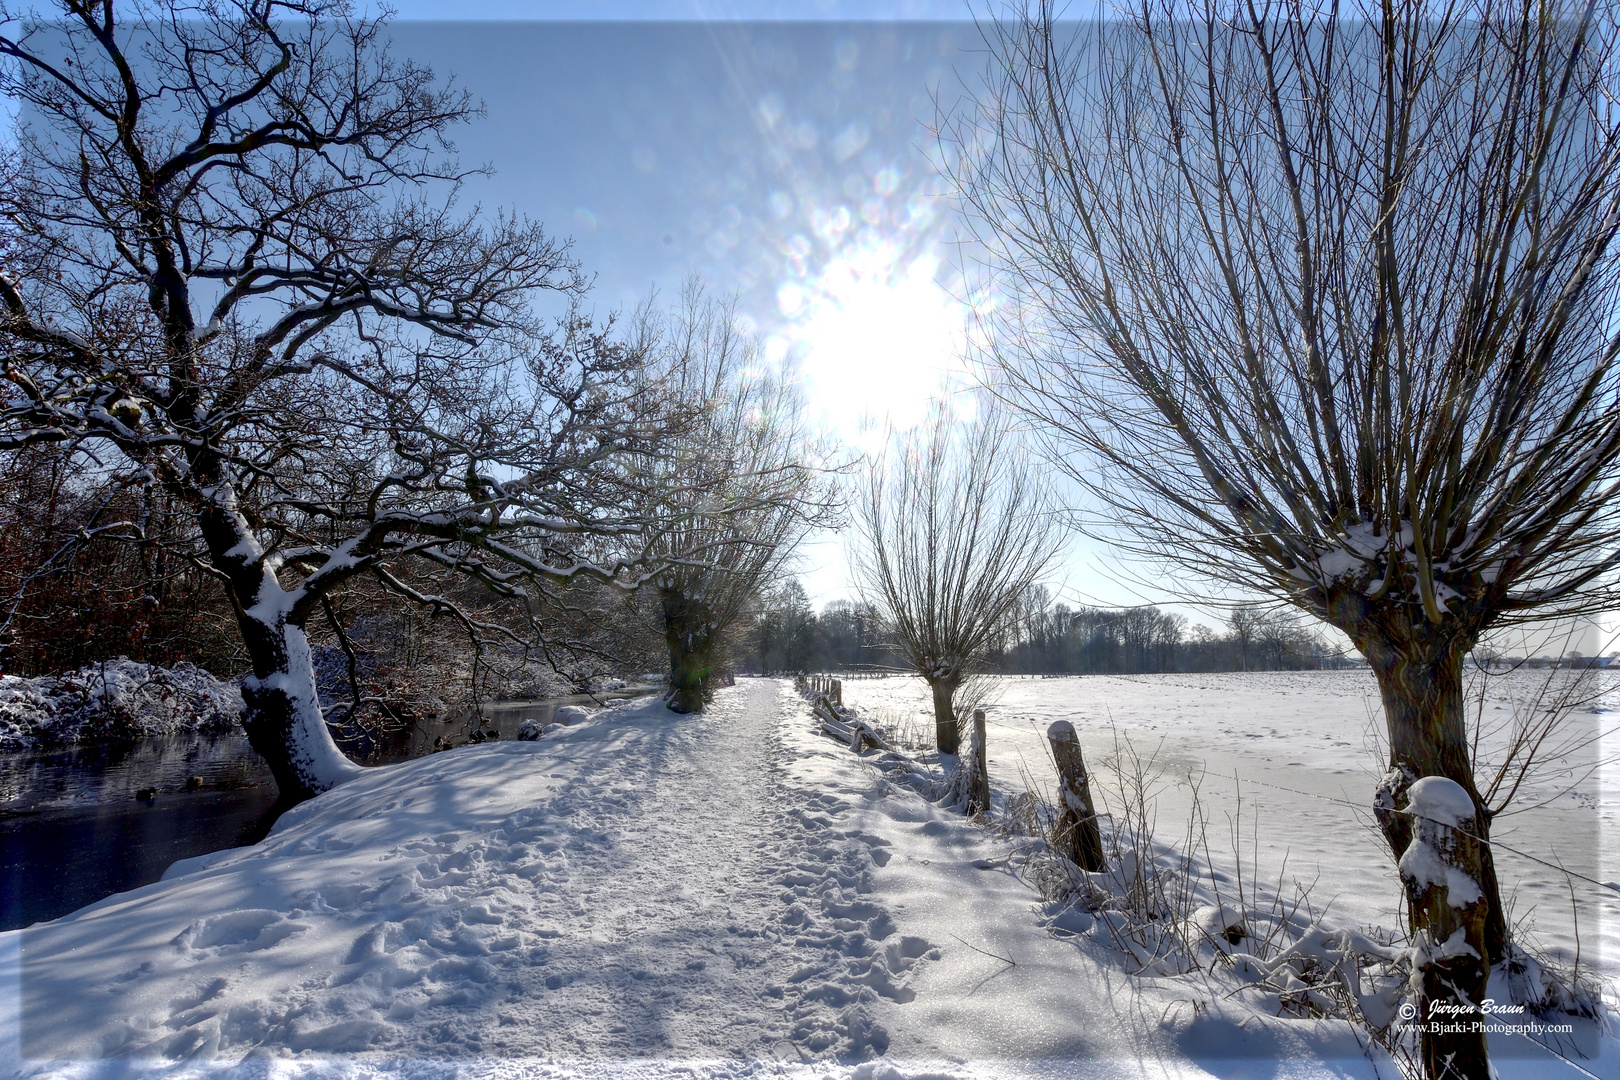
(874, 337)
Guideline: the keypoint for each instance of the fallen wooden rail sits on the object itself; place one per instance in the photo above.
(826, 702)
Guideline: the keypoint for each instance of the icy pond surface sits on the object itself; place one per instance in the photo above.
(81, 823)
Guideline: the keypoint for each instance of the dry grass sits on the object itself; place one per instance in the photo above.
(1195, 905)
(911, 731)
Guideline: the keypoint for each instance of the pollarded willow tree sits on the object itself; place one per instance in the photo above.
(951, 528)
(742, 487)
(233, 270)
(1319, 302)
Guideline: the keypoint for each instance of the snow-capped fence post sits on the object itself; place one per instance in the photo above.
(1441, 869)
(838, 692)
(1077, 818)
(979, 793)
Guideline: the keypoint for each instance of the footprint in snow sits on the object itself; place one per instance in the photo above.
(250, 930)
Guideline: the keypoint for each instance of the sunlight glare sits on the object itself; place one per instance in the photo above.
(875, 337)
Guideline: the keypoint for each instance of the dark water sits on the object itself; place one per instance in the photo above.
(80, 824)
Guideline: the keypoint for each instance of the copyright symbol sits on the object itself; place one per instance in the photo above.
(1408, 1010)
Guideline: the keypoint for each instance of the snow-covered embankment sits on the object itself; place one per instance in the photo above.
(118, 699)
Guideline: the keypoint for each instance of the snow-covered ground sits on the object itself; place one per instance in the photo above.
(1294, 756)
(118, 699)
(646, 895)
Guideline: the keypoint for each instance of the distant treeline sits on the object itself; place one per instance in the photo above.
(1042, 637)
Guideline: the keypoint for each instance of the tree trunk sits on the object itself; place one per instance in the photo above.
(1428, 736)
(282, 714)
(946, 736)
(281, 709)
(689, 634)
(1077, 816)
(978, 760)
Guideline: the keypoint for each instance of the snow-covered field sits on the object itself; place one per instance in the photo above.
(645, 894)
(1294, 756)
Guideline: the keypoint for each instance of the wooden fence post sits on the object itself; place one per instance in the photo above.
(1441, 869)
(1079, 833)
(838, 692)
(979, 794)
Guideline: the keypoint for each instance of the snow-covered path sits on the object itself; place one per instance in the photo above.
(640, 897)
(702, 910)
(660, 889)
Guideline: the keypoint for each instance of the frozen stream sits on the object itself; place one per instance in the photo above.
(1303, 751)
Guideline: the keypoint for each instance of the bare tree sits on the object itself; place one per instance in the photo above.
(65, 602)
(786, 628)
(234, 270)
(734, 498)
(1245, 623)
(1283, 633)
(951, 528)
(1319, 302)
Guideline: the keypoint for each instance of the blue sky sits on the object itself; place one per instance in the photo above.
(784, 152)
(791, 164)
(706, 10)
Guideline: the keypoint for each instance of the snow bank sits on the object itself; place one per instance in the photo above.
(570, 714)
(1023, 986)
(644, 895)
(119, 699)
(1306, 749)
(1231, 977)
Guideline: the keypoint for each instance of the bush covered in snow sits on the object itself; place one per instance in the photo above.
(571, 714)
(118, 699)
